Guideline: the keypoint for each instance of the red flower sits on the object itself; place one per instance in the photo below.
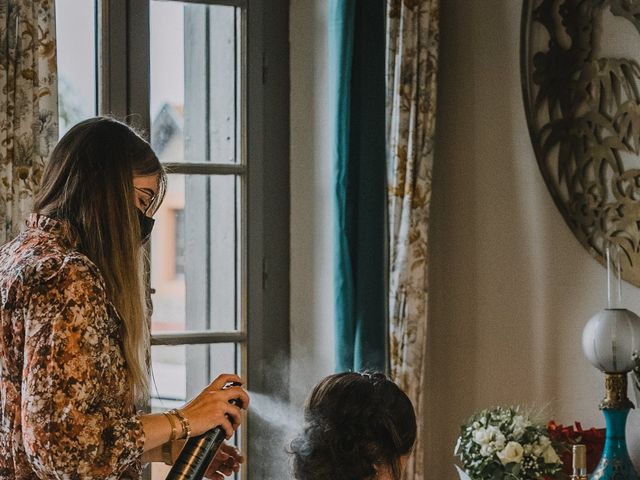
(567, 436)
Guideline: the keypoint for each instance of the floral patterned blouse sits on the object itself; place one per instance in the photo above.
(65, 411)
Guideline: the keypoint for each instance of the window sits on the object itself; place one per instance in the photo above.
(76, 39)
(196, 130)
(208, 79)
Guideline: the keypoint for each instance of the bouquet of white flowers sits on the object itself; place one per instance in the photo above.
(503, 443)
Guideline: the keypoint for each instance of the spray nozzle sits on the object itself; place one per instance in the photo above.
(234, 401)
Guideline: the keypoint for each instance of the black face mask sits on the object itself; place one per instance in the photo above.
(146, 225)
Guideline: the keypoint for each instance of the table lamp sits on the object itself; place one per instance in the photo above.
(609, 341)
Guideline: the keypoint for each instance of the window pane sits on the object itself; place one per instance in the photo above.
(195, 255)
(181, 372)
(197, 87)
(169, 384)
(196, 246)
(76, 43)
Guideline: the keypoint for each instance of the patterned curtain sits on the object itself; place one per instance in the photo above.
(28, 105)
(412, 63)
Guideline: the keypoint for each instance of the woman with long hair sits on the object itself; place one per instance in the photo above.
(74, 337)
(358, 426)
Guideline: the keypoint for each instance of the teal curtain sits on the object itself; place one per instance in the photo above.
(357, 86)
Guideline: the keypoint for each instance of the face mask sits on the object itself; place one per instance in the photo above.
(146, 225)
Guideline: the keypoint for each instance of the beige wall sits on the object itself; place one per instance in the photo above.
(312, 336)
(511, 288)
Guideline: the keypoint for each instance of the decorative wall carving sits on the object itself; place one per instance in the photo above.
(583, 111)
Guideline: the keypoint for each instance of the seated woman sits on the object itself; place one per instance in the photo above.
(358, 426)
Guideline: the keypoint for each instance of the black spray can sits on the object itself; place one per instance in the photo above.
(198, 452)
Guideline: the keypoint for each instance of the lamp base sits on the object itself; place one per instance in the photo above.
(616, 392)
(615, 463)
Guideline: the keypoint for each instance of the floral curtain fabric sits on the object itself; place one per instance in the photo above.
(28, 105)
(412, 64)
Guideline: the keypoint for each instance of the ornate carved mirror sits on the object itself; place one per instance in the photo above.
(580, 78)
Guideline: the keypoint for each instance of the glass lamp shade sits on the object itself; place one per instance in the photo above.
(610, 339)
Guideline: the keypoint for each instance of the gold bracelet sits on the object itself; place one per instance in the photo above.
(166, 446)
(186, 428)
(174, 430)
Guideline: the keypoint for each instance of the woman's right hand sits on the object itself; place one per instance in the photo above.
(211, 407)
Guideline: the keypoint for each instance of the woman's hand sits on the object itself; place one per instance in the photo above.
(211, 407)
(226, 462)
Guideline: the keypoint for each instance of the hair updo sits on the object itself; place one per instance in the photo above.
(354, 424)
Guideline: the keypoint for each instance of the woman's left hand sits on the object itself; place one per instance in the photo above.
(226, 462)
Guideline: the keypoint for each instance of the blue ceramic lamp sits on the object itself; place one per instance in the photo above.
(609, 340)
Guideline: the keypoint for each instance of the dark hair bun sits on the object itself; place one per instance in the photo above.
(353, 423)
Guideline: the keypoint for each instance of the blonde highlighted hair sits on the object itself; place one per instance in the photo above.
(88, 182)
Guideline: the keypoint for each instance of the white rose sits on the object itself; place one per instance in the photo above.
(481, 436)
(550, 455)
(541, 446)
(512, 453)
(484, 436)
(486, 450)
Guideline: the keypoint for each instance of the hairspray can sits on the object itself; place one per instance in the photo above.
(195, 457)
